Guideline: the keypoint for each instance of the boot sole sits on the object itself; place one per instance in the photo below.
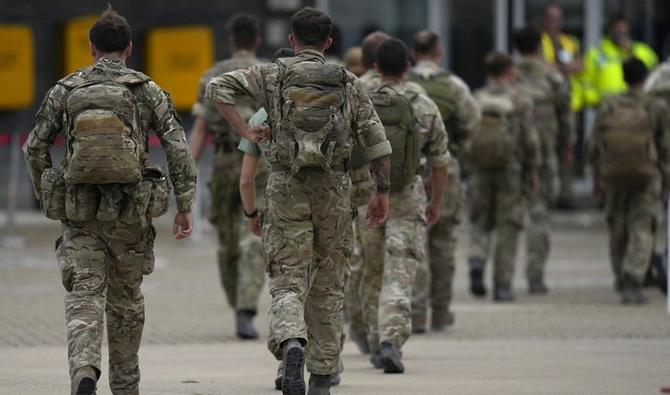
(391, 367)
(86, 386)
(293, 382)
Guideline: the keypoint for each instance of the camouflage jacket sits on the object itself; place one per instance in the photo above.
(156, 111)
(431, 127)
(526, 141)
(557, 129)
(259, 83)
(224, 138)
(465, 117)
(371, 79)
(659, 114)
(658, 83)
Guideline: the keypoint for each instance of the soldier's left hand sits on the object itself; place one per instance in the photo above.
(259, 134)
(255, 225)
(183, 225)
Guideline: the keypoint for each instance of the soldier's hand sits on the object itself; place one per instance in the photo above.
(183, 225)
(258, 134)
(255, 224)
(378, 210)
(433, 213)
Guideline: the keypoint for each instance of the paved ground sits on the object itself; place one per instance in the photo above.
(577, 340)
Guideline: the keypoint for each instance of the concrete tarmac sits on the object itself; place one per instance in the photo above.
(576, 340)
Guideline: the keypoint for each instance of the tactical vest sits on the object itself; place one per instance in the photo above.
(396, 114)
(492, 145)
(104, 144)
(628, 154)
(309, 116)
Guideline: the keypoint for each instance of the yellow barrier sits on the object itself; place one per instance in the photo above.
(17, 67)
(176, 59)
(76, 52)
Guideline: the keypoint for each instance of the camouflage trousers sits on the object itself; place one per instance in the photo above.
(241, 274)
(102, 265)
(631, 217)
(434, 277)
(538, 242)
(392, 254)
(363, 188)
(308, 241)
(497, 205)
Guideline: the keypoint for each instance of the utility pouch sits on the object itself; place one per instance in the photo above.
(52, 197)
(81, 202)
(160, 191)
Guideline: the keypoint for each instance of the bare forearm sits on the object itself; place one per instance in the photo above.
(234, 119)
(380, 170)
(248, 194)
(198, 138)
(438, 183)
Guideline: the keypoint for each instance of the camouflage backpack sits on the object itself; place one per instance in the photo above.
(104, 143)
(538, 89)
(396, 114)
(309, 116)
(628, 156)
(492, 145)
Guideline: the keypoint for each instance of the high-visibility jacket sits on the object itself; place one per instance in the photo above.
(570, 50)
(603, 71)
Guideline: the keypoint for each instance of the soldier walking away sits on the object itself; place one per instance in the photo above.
(105, 194)
(554, 120)
(317, 112)
(242, 283)
(461, 115)
(630, 154)
(392, 253)
(504, 156)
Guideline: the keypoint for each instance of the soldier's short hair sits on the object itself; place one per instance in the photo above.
(497, 64)
(244, 30)
(311, 26)
(634, 71)
(527, 40)
(393, 57)
(425, 42)
(284, 52)
(111, 32)
(369, 46)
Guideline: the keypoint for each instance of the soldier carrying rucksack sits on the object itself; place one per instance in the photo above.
(630, 154)
(504, 155)
(105, 193)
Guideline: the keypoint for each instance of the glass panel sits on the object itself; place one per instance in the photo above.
(471, 31)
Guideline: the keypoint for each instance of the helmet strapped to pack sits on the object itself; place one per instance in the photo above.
(310, 116)
(104, 143)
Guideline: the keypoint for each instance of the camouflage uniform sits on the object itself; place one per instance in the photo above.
(498, 195)
(307, 232)
(555, 126)
(658, 83)
(392, 253)
(633, 213)
(226, 206)
(102, 262)
(434, 278)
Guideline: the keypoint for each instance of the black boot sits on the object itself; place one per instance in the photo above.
(477, 287)
(391, 358)
(632, 292)
(244, 325)
(280, 376)
(293, 380)
(376, 360)
(537, 287)
(503, 293)
(84, 381)
(319, 384)
(441, 320)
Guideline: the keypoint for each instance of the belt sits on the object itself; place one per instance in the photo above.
(341, 167)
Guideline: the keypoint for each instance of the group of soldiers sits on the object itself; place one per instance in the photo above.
(351, 174)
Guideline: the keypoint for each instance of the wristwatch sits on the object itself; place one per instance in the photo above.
(252, 214)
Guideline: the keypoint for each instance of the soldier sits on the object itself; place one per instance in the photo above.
(369, 47)
(392, 253)
(316, 112)
(630, 154)
(504, 155)
(461, 115)
(353, 61)
(242, 284)
(106, 194)
(555, 126)
(658, 83)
